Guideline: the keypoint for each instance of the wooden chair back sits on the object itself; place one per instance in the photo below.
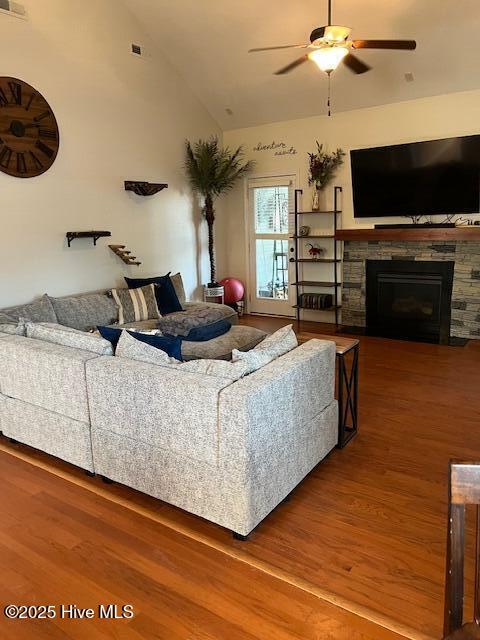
(463, 489)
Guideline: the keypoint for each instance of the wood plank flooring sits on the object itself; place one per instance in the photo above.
(61, 543)
(357, 553)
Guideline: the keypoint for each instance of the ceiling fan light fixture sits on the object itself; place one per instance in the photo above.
(328, 58)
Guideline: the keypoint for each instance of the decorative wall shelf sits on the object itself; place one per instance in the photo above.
(144, 188)
(75, 235)
(124, 254)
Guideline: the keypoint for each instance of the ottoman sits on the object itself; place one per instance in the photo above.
(239, 337)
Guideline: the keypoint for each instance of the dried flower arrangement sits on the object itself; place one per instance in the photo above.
(323, 166)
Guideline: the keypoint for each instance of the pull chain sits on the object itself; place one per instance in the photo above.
(328, 97)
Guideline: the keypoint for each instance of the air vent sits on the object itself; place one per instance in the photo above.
(13, 9)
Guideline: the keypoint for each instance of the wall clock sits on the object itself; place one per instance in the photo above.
(29, 137)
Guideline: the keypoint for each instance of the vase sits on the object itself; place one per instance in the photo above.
(316, 200)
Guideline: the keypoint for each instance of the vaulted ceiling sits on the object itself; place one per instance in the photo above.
(208, 40)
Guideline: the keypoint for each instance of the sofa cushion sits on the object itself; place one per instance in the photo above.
(85, 311)
(239, 337)
(14, 329)
(167, 299)
(169, 344)
(6, 319)
(41, 310)
(195, 314)
(135, 305)
(45, 374)
(274, 346)
(68, 337)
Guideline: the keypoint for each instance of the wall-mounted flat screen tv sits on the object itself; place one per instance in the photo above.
(422, 178)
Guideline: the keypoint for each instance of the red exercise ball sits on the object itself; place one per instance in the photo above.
(234, 290)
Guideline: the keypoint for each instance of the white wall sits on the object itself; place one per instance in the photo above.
(429, 118)
(120, 118)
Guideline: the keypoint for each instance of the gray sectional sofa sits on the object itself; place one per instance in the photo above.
(226, 451)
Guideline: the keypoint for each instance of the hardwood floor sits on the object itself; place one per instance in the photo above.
(357, 553)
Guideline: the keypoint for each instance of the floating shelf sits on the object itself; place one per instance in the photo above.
(307, 237)
(315, 283)
(302, 213)
(144, 188)
(75, 235)
(319, 260)
(124, 254)
(333, 308)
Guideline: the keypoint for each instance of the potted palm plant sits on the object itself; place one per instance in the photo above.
(212, 171)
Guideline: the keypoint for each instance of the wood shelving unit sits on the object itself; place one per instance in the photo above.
(300, 281)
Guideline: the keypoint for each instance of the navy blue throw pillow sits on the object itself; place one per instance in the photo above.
(167, 299)
(172, 345)
(208, 332)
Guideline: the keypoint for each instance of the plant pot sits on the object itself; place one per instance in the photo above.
(316, 200)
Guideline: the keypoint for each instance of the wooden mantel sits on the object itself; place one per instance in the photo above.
(410, 234)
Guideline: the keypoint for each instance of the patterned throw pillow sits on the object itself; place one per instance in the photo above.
(274, 346)
(135, 305)
(68, 337)
(130, 347)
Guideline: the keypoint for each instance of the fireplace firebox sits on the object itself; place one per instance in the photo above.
(409, 299)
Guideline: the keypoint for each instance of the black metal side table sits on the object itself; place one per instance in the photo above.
(347, 389)
(347, 384)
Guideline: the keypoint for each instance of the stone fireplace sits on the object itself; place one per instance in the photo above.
(409, 301)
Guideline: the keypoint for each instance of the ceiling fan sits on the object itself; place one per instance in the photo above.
(331, 45)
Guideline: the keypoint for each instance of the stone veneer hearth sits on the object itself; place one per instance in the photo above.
(465, 321)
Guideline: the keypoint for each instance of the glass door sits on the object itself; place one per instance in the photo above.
(269, 204)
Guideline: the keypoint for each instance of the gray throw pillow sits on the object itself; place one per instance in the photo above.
(40, 310)
(136, 305)
(86, 311)
(177, 282)
(274, 346)
(129, 347)
(68, 337)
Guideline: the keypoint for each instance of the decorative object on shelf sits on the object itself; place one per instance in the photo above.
(304, 231)
(323, 165)
(234, 290)
(315, 301)
(144, 188)
(315, 252)
(214, 294)
(124, 254)
(213, 171)
(75, 235)
(322, 168)
(29, 132)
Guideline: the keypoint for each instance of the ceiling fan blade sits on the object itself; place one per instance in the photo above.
(384, 44)
(285, 46)
(355, 64)
(291, 66)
